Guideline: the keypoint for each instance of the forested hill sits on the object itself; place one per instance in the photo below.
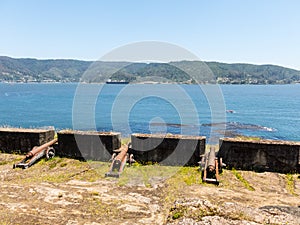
(67, 70)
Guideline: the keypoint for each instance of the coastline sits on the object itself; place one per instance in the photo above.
(146, 82)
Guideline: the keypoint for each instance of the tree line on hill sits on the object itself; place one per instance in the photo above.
(68, 70)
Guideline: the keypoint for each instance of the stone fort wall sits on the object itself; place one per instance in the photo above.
(260, 155)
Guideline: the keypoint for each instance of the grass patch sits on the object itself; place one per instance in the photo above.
(189, 175)
(208, 147)
(94, 193)
(195, 211)
(59, 170)
(248, 138)
(63, 164)
(96, 207)
(147, 173)
(177, 215)
(52, 163)
(45, 177)
(93, 171)
(239, 176)
(144, 174)
(6, 223)
(3, 163)
(290, 184)
(125, 140)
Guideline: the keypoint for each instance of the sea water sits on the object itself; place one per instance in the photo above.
(266, 111)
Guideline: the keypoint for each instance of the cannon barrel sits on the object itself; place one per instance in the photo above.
(36, 154)
(36, 150)
(211, 163)
(210, 167)
(122, 153)
(118, 162)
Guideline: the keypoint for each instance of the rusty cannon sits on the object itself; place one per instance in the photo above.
(211, 166)
(119, 160)
(36, 154)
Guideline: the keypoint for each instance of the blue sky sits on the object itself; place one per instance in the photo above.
(250, 31)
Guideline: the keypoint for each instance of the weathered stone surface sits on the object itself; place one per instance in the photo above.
(67, 191)
(212, 220)
(17, 140)
(88, 145)
(261, 155)
(167, 149)
(201, 212)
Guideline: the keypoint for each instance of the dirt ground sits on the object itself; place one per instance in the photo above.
(67, 191)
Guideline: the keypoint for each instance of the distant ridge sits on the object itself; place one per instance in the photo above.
(69, 70)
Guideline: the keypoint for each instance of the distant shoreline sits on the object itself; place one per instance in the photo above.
(184, 71)
(143, 83)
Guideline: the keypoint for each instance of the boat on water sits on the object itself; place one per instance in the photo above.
(230, 111)
(117, 82)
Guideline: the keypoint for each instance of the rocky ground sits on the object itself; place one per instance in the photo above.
(66, 191)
